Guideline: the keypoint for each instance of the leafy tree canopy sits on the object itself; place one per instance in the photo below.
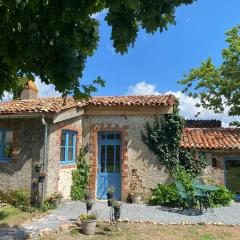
(218, 86)
(53, 38)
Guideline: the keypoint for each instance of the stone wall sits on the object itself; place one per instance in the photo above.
(142, 170)
(65, 180)
(27, 148)
(59, 176)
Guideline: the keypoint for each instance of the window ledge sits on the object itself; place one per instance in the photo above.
(67, 162)
(67, 166)
(5, 160)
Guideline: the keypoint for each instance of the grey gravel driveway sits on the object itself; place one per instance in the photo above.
(70, 211)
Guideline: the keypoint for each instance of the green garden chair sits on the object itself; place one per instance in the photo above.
(185, 197)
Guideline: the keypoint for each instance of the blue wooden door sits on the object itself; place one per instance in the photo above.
(109, 164)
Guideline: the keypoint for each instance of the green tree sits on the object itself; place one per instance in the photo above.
(52, 39)
(218, 86)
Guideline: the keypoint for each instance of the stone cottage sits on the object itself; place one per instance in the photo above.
(53, 130)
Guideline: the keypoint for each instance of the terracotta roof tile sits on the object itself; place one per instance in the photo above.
(211, 138)
(150, 100)
(39, 105)
(45, 105)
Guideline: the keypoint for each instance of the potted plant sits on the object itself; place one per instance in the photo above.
(88, 205)
(109, 202)
(41, 177)
(89, 222)
(34, 183)
(87, 196)
(110, 192)
(117, 210)
(136, 197)
(55, 199)
(37, 166)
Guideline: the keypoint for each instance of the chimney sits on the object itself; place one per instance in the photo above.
(30, 91)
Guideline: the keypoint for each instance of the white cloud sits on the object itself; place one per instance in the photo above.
(6, 96)
(143, 88)
(46, 90)
(189, 110)
(186, 104)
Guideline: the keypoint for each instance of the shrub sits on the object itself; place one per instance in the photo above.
(222, 197)
(17, 198)
(46, 206)
(20, 199)
(80, 178)
(165, 195)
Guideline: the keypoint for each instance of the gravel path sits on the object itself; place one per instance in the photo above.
(70, 211)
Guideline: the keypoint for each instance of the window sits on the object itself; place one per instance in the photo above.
(214, 162)
(68, 147)
(6, 142)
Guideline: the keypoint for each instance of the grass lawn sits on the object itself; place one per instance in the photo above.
(130, 231)
(11, 216)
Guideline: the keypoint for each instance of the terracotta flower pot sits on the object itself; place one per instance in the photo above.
(89, 226)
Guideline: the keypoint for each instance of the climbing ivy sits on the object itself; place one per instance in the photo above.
(194, 162)
(80, 177)
(163, 138)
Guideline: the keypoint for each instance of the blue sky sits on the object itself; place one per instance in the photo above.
(163, 58)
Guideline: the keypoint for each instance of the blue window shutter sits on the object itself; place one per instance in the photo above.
(74, 146)
(3, 132)
(66, 147)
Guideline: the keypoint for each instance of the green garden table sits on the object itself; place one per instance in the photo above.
(205, 187)
(203, 191)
